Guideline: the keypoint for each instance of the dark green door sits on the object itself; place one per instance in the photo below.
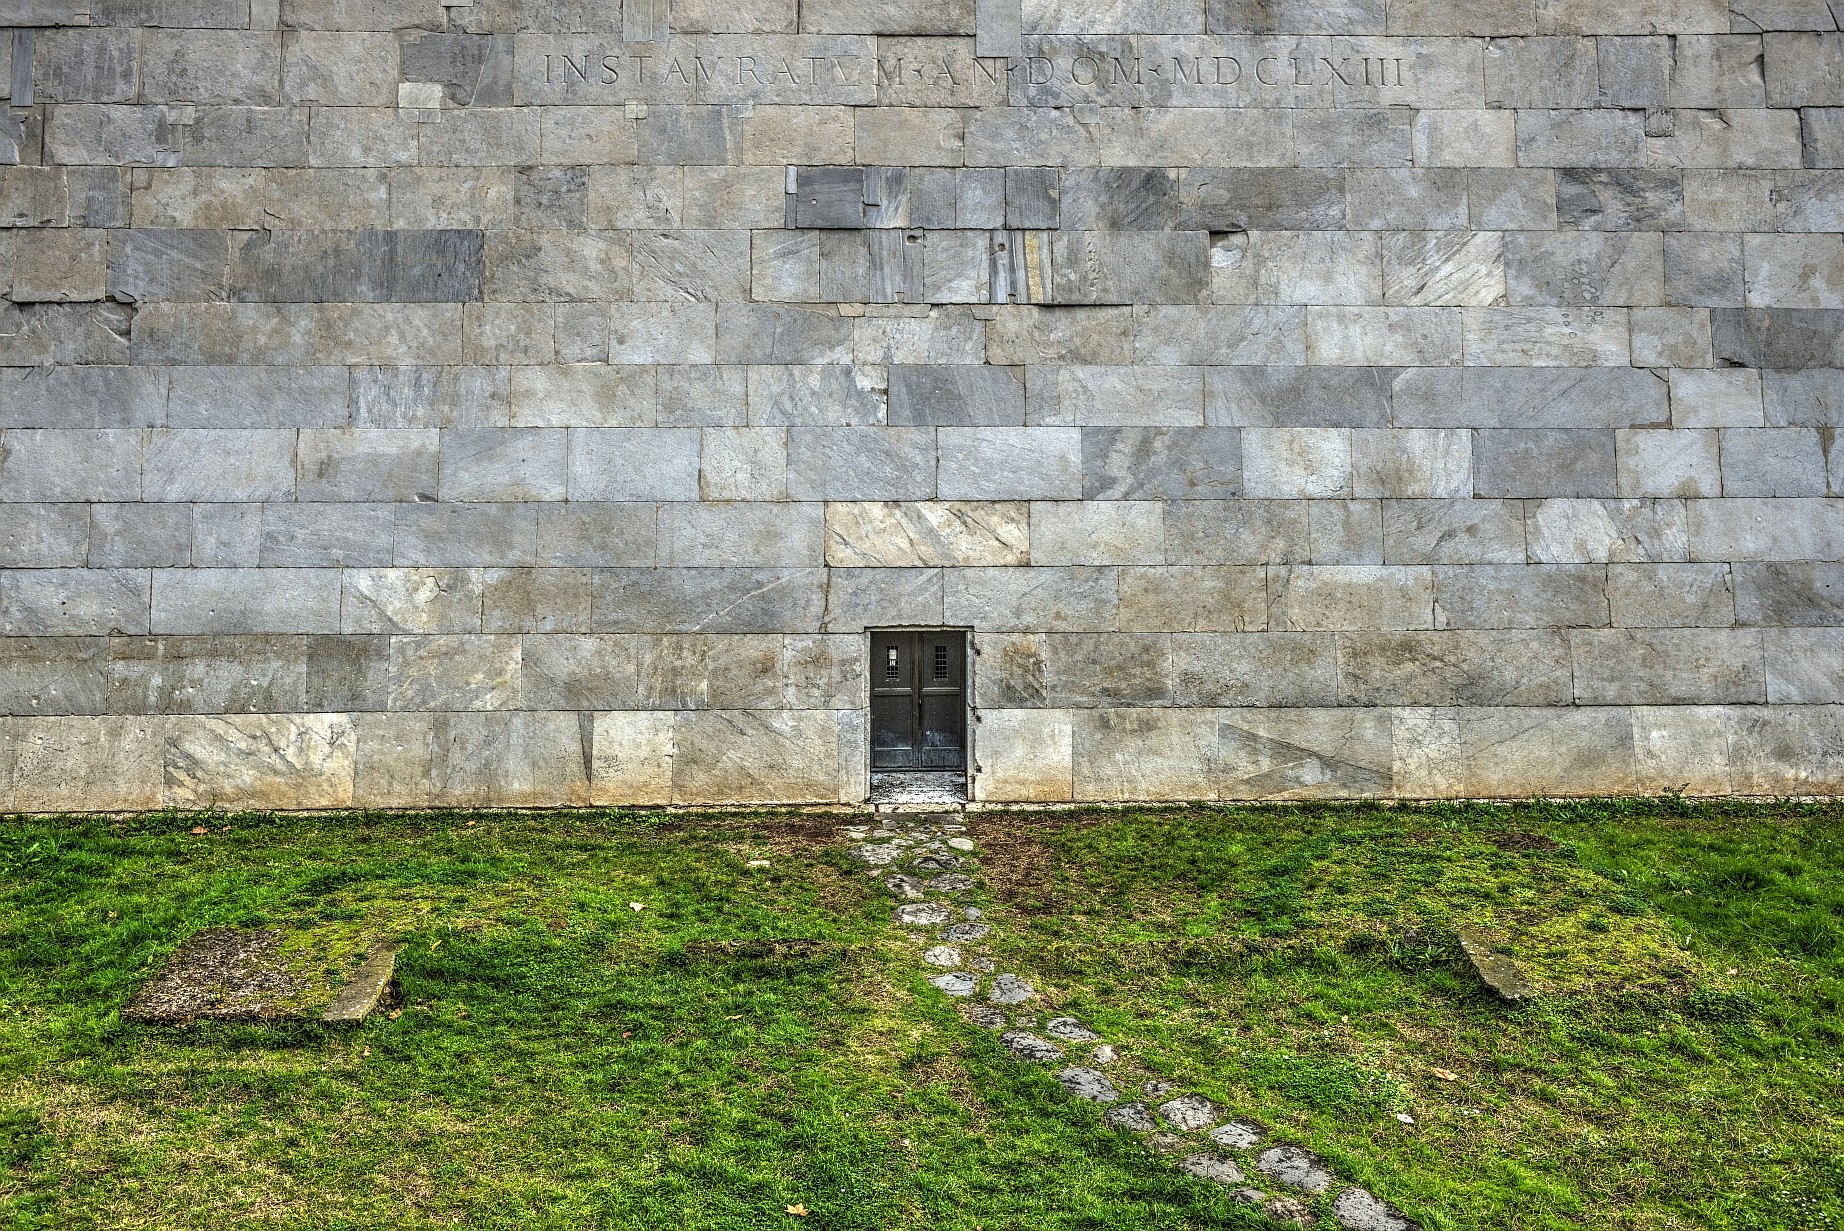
(919, 700)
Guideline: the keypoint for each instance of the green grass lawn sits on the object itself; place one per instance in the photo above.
(567, 1061)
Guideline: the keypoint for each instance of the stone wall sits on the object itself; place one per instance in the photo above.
(534, 401)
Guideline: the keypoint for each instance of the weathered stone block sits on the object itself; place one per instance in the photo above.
(889, 534)
(1254, 669)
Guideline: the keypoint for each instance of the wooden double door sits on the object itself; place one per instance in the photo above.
(919, 700)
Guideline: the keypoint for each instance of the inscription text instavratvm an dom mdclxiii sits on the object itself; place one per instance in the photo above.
(666, 72)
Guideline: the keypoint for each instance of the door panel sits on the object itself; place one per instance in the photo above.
(919, 700)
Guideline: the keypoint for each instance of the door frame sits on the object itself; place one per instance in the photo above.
(969, 722)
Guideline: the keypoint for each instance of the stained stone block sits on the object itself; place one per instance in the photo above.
(1120, 199)
(1741, 529)
(403, 397)
(1804, 398)
(1279, 267)
(1594, 531)
(1193, 599)
(1331, 597)
(1634, 72)
(1670, 337)
(1671, 666)
(1383, 337)
(176, 265)
(1803, 69)
(1302, 753)
(1674, 463)
(1161, 463)
(847, 463)
(1108, 532)
(450, 673)
(465, 534)
(1580, 138)
(1779, 337)
(1065, 395)
(380, 266)
(257, 397)
(73, 602)
(219, 465)
(1237, 532)
(1703, 270)
(1407, 200)
(1052, 599)
(1127, 267)
(1452, 532)
(321, 535)
(633, 464)
(1030, 463)
(60, 535)
(1409, 463)
(1429, 268)
(1254, 669)
(926, 534)
(816, 395)
(716, 600)
(858, 598)
(1804, 665)
(1776, 461)
(1025, 755)
(88, 763)
(1296, 463)
(57, 464)
(956, 395)
(942, 337)
(1511, 198)
(756, 757)
(1261, 199)
(1619, 199)
(573, 395)
(1521, 596)
(1670, 595)
(471, 759)
(495, 464)
(1144, 754)
(205, 600)
(1542, 72)
(1542, 463)
(1788, 595)
(1572, 267)
(1298, 397)
(1454, 668)
(1219, 335)
(1546, 337)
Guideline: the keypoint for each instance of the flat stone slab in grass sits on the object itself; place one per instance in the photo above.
(1189, 1113)
(964, 933)
(1288, 1210)
(1010, 989)
(371, 985)
(905, 886)
(942, 955)
(234, 974)
(1131, 1117)
(1088, 1084)
(1027, 1046)
(922, 914)
(1296, 1168)
(959, 983)
(1500, 973)
(985, 1015)
(1212, 1167)
(1238, 1134)
(1356, 1210)
(880, 855)
(1071, 1029)
(951, 882)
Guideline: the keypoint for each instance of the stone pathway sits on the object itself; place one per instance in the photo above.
(924, 861)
